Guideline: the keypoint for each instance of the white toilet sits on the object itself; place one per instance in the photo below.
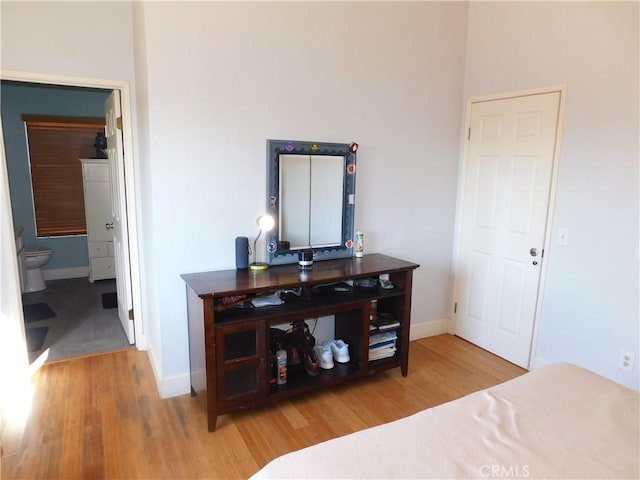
(34, 260)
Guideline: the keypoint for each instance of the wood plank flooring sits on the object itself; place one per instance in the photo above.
(101, 416)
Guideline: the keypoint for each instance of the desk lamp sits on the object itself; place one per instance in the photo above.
(265, 224)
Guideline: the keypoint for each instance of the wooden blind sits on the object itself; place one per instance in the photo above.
(55, 146)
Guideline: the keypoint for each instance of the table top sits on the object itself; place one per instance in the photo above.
(224, 283)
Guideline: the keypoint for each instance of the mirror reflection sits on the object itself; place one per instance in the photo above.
(311, 192)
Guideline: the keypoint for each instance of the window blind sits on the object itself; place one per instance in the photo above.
(55, 146)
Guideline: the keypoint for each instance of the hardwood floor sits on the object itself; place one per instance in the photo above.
(101, 416)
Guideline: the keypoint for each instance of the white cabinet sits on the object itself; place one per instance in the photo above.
(97, 209)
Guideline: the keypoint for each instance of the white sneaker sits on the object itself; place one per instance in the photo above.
(325, 356)
(340, 351)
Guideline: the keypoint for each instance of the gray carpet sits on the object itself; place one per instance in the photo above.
(80, 326)
(37, 311)
(35, 337)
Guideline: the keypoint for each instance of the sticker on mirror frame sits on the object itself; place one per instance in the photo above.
(351, 168)
(272, 201)
(289, 146)
(272, 247)
(349, 243)
(314, 147)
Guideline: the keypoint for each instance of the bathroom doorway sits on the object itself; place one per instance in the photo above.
(67, 281)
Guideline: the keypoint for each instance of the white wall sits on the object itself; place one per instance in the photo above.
(145, 203)
(14, 362)
(590, 304)
(82, 39)
(231, 75)
(83, 43)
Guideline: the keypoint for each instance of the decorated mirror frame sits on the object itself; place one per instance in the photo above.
(279, 250)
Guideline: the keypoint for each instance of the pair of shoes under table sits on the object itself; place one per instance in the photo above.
(332, 350)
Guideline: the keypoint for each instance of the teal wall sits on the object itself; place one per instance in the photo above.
(23, 98)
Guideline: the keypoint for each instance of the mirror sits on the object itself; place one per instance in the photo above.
(311, 200)
(310, 193)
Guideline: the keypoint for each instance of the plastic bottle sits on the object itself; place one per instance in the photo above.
(281, 356)
(373, 315)
(359, 244)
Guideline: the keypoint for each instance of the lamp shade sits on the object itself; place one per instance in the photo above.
(266, 223)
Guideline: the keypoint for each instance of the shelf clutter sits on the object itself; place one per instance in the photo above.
(382, 345)
(383, 323)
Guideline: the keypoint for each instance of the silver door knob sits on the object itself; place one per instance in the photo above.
(533, 252)
(108, 226)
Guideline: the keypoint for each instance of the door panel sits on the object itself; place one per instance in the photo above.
(479, 270)
(98, 197)
(115, 152)
(503, 215)
(513, 276)
(488, 170)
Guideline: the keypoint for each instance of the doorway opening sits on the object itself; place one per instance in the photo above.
(69, 292)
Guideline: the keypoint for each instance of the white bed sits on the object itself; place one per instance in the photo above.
(560, 421)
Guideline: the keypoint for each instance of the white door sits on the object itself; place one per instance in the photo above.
(115, 153)
(505, 198)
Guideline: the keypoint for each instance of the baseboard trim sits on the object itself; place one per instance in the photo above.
(62, 273)
(428, 329)
(171, 386)
(154, 368)
(174, 386)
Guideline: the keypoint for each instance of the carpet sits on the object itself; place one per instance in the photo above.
(35, 337)
(110, 300)
(37, 311)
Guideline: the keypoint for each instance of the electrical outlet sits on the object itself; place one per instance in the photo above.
(625, 361)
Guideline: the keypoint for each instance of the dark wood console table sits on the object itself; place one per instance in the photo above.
(230, 358)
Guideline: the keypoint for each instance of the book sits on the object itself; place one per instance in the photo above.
(384, 327)
(377, 346)
(382, 345)
(388, 326)
(381, 353)
(382, 337)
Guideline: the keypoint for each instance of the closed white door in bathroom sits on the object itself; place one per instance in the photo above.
(115, 153)
(97, 208)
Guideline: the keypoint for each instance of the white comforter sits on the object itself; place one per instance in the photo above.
(557, 422)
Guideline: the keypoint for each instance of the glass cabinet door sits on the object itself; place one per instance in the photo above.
(242, 368)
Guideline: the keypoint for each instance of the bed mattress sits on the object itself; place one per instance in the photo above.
(560, 421)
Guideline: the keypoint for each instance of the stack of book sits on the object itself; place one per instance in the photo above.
(382, 345)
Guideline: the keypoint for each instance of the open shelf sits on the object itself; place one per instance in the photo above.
(299, 379)
(299, 307)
